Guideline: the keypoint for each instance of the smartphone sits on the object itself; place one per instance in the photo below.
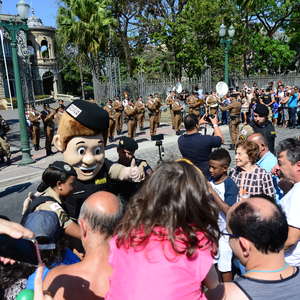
(22, 250)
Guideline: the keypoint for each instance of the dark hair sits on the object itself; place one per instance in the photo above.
(173, 204)
(100, 222)
(190, 122)
(292, 148)
(221, 154)
(252, 150)
(268, 234)
(52, 175)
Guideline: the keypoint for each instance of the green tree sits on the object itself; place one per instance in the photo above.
(85, 26)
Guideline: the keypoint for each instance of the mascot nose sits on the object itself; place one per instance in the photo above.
(88, 159)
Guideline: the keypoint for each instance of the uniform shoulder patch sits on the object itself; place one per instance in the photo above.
(55, 206)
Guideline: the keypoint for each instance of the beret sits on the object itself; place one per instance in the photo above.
(63, 167)
(89, 115)
(261, 110)
(128, 144)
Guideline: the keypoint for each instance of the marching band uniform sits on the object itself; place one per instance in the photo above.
(112, 120)
(153, 108)
(170, 101)
(131, 113)
(47, 117)
(176, 108)
(118, 107)
(140, 108)
(194, 104)
(34, 118)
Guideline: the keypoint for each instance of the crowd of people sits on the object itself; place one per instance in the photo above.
(194, 228)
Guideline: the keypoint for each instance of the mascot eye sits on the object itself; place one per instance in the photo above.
(81, 150)
(98, 150)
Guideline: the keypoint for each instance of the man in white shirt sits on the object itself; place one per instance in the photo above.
(288, 154)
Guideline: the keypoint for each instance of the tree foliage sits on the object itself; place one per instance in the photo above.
(178, 38)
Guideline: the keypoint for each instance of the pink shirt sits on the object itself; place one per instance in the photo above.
(156, 272)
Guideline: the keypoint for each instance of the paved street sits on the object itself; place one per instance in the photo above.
(16, 181)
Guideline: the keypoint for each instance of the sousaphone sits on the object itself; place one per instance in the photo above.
(222, 89)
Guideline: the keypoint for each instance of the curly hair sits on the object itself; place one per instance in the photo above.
(252, 150)
(175, 199)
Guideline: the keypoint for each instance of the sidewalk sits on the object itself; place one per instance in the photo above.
(16, 174)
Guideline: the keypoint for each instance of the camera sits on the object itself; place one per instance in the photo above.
(157, 137)
(207, 118)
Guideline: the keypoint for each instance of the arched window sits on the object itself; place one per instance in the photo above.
(44, 49)
(31, 51)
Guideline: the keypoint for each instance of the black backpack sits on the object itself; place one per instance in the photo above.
(34, 204)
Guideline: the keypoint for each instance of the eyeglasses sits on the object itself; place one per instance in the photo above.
(231, 235)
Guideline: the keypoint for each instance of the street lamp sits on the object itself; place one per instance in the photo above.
(15, 26)
(226, 42)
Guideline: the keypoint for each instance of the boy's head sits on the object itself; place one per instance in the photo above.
(219, 161)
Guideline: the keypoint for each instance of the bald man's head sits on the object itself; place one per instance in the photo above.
(261, 141)
(260, 221)
(102, 211)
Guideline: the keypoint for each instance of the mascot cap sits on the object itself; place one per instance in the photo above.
(261, 110)
(89, 115)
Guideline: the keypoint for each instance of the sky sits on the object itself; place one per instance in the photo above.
(44, 9)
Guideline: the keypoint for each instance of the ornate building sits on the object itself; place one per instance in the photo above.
(38, 64)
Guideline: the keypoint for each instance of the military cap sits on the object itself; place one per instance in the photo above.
(262, 110)
(63, 167)
(245, 131)
(128, 144)
(89, 115)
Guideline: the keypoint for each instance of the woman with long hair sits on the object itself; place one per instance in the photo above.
(165, 243)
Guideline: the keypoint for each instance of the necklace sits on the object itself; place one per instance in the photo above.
(285, 266)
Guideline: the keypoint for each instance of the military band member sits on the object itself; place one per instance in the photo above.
(118, 107)
(177, 108)
(153, 107)
(169, 101)
(131, 114)
(34, 118)
(47, 116)
(194, 104)
(140, 108)
(234, 109)
(112, 119)
(158, 105)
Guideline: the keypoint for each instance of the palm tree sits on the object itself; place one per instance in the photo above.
(84, 25)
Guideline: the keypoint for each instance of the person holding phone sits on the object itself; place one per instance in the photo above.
(197, 147)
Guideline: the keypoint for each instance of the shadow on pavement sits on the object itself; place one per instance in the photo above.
(19, 188)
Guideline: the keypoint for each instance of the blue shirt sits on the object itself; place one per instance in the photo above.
(292, 103)
(197, 148)
(268, 161)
